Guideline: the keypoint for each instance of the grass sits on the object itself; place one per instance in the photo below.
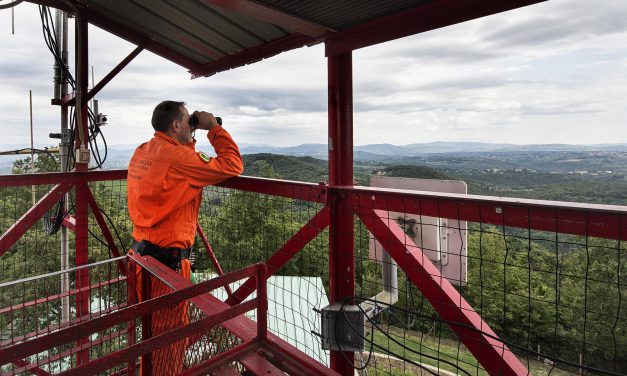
(441, 353)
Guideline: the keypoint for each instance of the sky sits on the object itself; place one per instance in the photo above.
(554, 72)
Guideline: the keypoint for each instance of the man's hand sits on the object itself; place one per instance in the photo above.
(206, 120)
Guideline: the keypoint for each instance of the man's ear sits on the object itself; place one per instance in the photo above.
(175, 125)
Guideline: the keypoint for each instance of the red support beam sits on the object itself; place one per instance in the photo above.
(81, 210)
(271, 15)
(296, 243)
(26, 221)
(424, 17)
(341, 230)
(494, 355)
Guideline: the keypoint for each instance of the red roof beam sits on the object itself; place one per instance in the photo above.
(434, 15)
(254, 54)
(271, 15)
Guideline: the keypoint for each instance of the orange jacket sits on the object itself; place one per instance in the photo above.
(165, 182)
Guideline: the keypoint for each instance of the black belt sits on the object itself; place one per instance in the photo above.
(171, 257)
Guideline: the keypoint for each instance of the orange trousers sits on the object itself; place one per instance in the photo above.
(168, 360)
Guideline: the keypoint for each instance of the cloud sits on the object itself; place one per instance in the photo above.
(557, 21)
(544, 73)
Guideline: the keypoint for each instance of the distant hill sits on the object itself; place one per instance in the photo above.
(374, 152)
(411, 171)
(287, 167)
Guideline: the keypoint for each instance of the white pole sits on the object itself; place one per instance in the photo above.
(32, 151)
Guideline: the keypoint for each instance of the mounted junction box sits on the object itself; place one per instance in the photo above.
(347, 323)
(82, 155)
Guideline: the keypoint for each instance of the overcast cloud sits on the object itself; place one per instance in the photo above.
(554, 72)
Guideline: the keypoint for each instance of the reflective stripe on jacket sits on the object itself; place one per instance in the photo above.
(165, 182)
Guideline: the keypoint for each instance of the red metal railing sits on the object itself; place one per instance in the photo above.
(118, 317)
(473, 319)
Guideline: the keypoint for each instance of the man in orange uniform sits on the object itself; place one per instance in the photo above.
(165, 180)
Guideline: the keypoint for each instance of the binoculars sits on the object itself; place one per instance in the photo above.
(193, 120)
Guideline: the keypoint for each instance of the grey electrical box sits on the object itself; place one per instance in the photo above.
(345, 321)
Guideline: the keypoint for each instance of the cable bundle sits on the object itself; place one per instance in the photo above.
(94, 127)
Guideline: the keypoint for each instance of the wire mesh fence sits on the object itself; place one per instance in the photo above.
(245, 227)
(554, 299)
(547, 282)
(31, 309)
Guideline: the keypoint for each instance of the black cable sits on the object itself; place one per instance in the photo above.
(114, 228)
(373, 344)
(94, 130)
(340, 346)
(51, 42)
(53, 224)
(505, 342)
(10, 5)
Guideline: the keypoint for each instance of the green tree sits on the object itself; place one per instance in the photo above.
(44, 162)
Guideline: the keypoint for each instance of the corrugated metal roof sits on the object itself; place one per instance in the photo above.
(208, 36)
(340, 15)
(198, 31)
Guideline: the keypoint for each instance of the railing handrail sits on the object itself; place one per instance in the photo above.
(597, 220)
(70, 270)
(265, 185)
(478, 199)
(60, 177)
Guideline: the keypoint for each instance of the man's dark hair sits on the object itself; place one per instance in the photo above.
(165, 113)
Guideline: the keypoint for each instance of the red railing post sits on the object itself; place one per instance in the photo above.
(262, 303)
(131, 299)
(146, 360)
(341, 230)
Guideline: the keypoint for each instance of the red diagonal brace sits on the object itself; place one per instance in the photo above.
(306, 234)
(242, 327)
(493, 354)
(95, 209)
(70, 99)
(33, 214)
(212, 256)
